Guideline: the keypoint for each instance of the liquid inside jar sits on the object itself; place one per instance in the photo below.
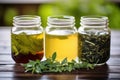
(27, 45)
(64, 43)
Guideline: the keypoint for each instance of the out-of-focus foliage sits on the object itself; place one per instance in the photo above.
(78, 8)
(44, 11)
(9, 14)
(1, 11)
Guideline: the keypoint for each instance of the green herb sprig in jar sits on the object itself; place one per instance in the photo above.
(94, 39)
(26, 38)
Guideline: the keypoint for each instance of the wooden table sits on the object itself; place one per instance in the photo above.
(9, 70)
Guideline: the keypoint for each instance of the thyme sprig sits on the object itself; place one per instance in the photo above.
(51, 65)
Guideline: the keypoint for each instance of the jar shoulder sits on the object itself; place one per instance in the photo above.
(28, 30)
(51, 29)
(83, 30)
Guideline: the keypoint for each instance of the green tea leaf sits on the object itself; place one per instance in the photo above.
(95, 46)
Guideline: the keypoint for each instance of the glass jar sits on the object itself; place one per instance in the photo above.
(26, 38)
(61, 37)
(94, 39)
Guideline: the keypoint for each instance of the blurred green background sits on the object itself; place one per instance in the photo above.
(76, 8)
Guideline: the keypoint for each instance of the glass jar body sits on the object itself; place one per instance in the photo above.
(94, 43)
(26, 42)
(61, 39)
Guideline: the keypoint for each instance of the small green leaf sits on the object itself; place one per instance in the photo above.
(64, 61)
(38, 69)
(54, 56)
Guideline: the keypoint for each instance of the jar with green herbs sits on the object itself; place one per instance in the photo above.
(26, 38)
(94, 39)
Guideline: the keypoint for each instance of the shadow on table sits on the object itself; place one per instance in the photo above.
(99, 73)
(20, 74)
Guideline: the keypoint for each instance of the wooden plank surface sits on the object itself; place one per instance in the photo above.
(9, 70)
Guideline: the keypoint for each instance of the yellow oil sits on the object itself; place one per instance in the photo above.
(66, 46)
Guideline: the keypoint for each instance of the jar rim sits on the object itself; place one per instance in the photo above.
(61, 17)
(94, 20)
(95, 16)
(26, 20)
(61, 20)
(26, 17)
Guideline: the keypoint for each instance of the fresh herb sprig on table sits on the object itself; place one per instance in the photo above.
(51, 65)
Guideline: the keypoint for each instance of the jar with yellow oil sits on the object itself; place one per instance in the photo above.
(26, 38)
(61, 37)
